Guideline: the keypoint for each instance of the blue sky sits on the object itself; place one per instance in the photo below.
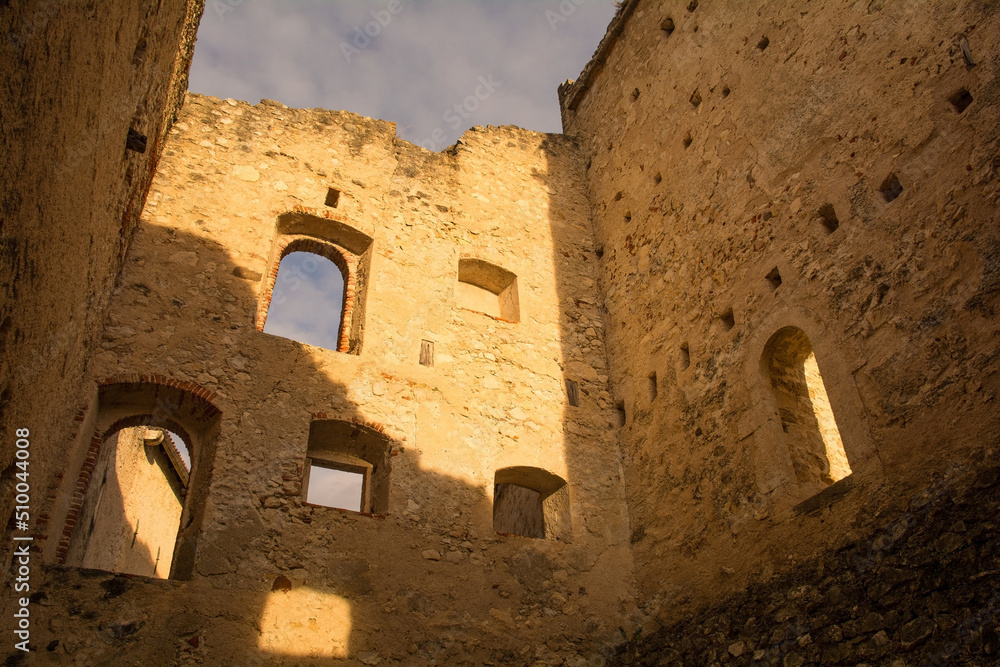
(307, 300)
(425, 57)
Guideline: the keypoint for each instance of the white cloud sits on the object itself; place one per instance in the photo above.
(427, 57)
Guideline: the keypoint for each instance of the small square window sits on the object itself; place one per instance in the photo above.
(332, 197)
(336, 484)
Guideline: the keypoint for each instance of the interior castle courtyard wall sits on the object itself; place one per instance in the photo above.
(734, 332)
(829, 167)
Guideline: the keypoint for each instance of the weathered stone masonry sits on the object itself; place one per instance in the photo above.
(825, 168)
(725, 350)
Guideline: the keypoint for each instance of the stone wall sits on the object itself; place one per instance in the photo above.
(429, 580)
(785, 213)
(129, 522)
(77, 78)
(827, 169)
(921, 591)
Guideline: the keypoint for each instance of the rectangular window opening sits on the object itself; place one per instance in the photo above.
(653, 389)
(426, 353)
(573, 392)
(332, 197)
(331, 485)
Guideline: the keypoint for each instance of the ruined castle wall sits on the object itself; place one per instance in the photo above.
(919, 591)
(429, 579)
(129, 523)
(757, 169)
(77, 77)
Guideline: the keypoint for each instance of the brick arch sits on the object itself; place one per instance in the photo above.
(345, 261)
(150, 420)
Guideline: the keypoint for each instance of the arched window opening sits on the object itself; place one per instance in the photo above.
(130, 521)
(324, 308)
(807, 419)
(347, 467)
(137, 504)
(308, 301)
(485, 288)
(531, 502)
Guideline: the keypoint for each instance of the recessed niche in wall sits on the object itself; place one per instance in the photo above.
(891, 188)
(695, 98)
(828, 218)
(727, 320)
(531, 502)
(658, 179)
(488, 289)
(651, 386)
(620, 414)
(635, 94)
(573, 392)
(135, 141)
(726, 91)
(332, 197)
(693, 5)
(426, 353)
(763, 43)
(774, 279)
(961, 100)
(687, 140)
(668, 26)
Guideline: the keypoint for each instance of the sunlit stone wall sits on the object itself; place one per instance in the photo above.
(429, 579)
(828, 166)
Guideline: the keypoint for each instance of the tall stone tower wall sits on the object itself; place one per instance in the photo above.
(78, 78)
(770, 180)
(425, 576)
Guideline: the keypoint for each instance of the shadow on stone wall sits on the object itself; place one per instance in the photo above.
(251, 597)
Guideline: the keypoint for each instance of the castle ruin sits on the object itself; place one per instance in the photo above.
(709, 378)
